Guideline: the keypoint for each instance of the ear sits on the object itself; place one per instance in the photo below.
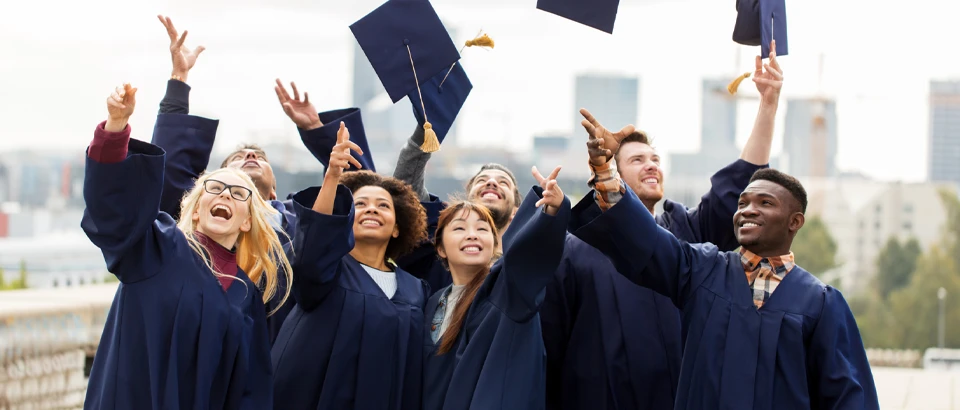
(441, 252)
(247, 223)
(514, 213)
(396, 231)
(796, 221)
(273, 195)
(196, 215)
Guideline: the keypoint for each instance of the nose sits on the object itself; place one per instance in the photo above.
(491, 184)
(472, 235)
(749, 210)
(650, 166)
(251, 155)
(370, 209)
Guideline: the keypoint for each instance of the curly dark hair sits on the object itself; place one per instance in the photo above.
(788, 182)
(411, 218)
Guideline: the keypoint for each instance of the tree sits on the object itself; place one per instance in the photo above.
(814, 248)
(895, 265)
(3, 284)
(915, 308)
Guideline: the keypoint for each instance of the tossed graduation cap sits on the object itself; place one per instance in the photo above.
(407, 45)
(443, 97)
(758, 22)
(321, 140)
(599, 14)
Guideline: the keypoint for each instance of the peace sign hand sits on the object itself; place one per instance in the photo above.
(340, 158)
(552, 194)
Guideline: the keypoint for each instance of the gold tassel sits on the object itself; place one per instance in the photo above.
(482, 41)
(430, 141)
(732, 87)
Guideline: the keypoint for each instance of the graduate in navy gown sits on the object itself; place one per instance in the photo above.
(484, 346)
(188, 141)
(187, 328)
(759, 332)
(354, 340)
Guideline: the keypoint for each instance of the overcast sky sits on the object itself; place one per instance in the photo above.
(59, 59)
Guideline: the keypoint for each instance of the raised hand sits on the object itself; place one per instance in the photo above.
(182, 57)
(598, 154)
(340, 158)
(769, 77)
(552, 194)
(301, 113)
(120, 106)
(611, 140)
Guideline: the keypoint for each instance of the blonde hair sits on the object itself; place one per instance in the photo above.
(259, 251)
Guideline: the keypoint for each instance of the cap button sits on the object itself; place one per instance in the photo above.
(406, 42)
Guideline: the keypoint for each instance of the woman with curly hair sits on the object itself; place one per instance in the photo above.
(354, 339)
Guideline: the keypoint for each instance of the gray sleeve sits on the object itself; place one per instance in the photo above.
(412, 163)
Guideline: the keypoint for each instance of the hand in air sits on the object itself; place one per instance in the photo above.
(552, 194)
(610, 140)
(301, 113)
(182, 57)
(340, 158)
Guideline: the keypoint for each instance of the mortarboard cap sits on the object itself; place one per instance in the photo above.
(320, 141)
(443, 97)
(758, 22)
(599, 14)
(400, 31)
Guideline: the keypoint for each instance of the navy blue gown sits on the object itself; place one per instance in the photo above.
(188, 141)
(173, 337)
(346, 345)
(800, 350)
(423, 261)
(498, 359)
(612, 344)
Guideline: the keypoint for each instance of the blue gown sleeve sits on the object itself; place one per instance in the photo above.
(648, 254)
(712, 219)
(320, 244)
(840, 375)
(122, 215)
(188, 142)
(320, 141)
(531, 258)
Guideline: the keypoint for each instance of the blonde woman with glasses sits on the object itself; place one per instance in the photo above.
(187, 328)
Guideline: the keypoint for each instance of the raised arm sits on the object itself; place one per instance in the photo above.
(533, 252)
(122, 184)
(839, 370)
(325, 229)
(319, 131)
(769, 80)
(412, 164)
(187, 140)
(627, 233)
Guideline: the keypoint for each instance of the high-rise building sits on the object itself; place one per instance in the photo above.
(944, 143)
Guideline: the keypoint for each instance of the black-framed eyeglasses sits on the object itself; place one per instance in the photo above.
(238, 192)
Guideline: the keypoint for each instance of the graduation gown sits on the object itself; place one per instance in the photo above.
(800, 350)
(345, 345)
(612, 344)
(423, 262)
(498, 358)
(173, 338)
(188, 141)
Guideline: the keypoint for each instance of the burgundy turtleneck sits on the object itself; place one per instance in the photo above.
(224, 261)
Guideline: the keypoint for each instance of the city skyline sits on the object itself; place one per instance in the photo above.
(882, 102)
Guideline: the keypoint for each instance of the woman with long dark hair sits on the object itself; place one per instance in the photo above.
(485, 348)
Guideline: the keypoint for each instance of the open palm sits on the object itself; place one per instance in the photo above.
(301, 113)
(183, 58)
